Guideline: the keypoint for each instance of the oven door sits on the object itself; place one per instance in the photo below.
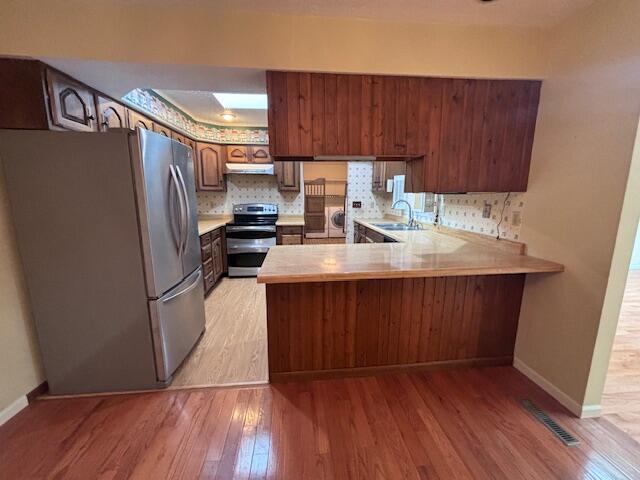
(247, 246)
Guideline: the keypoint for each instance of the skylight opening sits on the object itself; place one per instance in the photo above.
(240, 101)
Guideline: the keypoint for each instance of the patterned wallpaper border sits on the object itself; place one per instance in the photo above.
(162, 109)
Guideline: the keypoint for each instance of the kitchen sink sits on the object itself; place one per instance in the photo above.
(394, 226)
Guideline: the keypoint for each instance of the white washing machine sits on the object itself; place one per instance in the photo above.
(336, 222)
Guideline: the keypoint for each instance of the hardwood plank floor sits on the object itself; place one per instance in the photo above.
(459, 424)
(233, 349)
(621, 398)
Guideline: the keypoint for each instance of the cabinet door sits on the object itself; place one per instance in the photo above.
(288, 175)
(72, 104)
(237, 154)
(209, 167)
(377, 184)
(162, 130)
(179, 137)
(260, 154)
(138, 120)
(217, 258)
(111, 114)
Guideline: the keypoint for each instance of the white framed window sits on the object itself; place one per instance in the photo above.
(423, 204)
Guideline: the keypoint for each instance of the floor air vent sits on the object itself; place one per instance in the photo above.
(564, 436)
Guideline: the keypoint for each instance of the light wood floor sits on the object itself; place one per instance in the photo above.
(455, 425)
(233, 349)
(621, 399)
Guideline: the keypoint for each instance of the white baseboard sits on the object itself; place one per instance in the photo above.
(13, 409)
(581, 411)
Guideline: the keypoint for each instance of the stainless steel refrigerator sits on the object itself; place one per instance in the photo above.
(106, 227)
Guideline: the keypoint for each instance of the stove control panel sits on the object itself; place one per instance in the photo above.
(256, 209)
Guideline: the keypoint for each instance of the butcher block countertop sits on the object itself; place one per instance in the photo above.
(208, 223)
(423, 253)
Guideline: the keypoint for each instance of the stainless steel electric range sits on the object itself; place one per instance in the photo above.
(249, 236)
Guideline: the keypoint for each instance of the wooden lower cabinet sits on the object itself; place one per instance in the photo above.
(289, 235)
(213, 252)
(362, 234)
(346, 328)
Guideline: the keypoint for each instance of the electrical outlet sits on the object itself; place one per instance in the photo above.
(356, 204)
(516, 218)
(486, 211)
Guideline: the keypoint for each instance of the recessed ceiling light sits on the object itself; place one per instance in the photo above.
(238, 101)
(227, 116)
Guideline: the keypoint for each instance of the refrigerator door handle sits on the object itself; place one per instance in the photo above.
(187, 289)
(185, 197)
(176, 184)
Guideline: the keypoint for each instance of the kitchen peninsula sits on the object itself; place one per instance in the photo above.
(433, 299)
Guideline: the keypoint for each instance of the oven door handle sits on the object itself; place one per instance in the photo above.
(251, 228)
(231, 249)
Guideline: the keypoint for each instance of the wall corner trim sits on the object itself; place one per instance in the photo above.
(13, 409)
(580, 411)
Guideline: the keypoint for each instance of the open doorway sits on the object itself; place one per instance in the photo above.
(621, 396)
(325, 197)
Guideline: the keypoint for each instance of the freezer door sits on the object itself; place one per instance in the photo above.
(183, 163)
(177, 322)
(162, 210)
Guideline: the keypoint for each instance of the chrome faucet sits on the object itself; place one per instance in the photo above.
(412, 222)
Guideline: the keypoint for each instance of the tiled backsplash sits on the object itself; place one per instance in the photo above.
(162, 109)
(374, 205)
(464, 211)
(249, 189)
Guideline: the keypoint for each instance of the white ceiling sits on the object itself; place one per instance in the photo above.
(456, 12)
(203, 106)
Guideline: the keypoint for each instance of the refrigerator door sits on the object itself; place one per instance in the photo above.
(177, 322)
(183, 164)
(162, 210)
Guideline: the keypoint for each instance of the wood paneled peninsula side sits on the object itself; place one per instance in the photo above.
(431, 300)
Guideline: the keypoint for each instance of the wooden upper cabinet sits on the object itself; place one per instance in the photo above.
(459, 135)
(138, 120)
(162, 130)
(111, 114)
(487, 135)
(210, 167)
(179, 137)
(260, 154)
(248, 154)
(72, 103)
(288, 175)
(238, 153)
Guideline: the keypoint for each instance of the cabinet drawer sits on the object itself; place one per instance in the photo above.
(215, 234)
(205, 239)
(291, 230)
(208, 267)
(292, 239)
(206, 253)
(209, 280)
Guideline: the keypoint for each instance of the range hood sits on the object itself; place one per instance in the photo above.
(250, 168)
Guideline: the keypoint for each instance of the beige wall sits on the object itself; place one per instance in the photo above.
(20, 371)
(206, 36)
(584, 141)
